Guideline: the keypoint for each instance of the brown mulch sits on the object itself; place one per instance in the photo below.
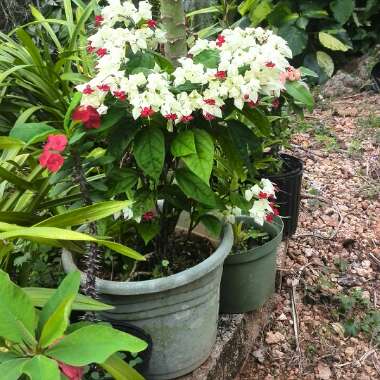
(342, 177)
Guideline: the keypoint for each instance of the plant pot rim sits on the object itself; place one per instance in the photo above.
(160, 284)
(258, 252)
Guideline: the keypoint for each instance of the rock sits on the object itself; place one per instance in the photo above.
(341, 84)
(323, 371)
(274, 337)
(259, 355)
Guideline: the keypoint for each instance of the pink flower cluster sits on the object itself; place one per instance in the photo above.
(51, 158)
(72, 373)
(291, 74)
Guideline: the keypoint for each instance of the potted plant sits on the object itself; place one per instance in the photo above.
(42, 344)
(249, 271)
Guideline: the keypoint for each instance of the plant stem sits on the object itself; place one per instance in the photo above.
(173, 20)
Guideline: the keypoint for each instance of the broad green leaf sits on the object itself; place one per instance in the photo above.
(299, 92)
(260, 11)
(9, 142)
(7, 355)
(183, 144)
(17, 314)
(12, 369)
(67, 289)
(342, 10)
(119, 369)
(57, 323)
(194, 187)
(212, 9)
(41, 367)
(22, 218)
(163, 62)
(84, 215)
(326, 62)
(201, 162)
(40, 296)
(149, 151)
(148, 230)
(256, 119)
(212, 223)
(94, 344)
(332, 43)
(31, 132)
(246, 6)
(209, 58)
(19, 182)
(305, 72)
(296, 38)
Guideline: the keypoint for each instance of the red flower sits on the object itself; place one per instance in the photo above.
(152, 24)
(187, 118)
(101, 52)
(270, 64)
(52, 161)
(146, 112)
(120, 95)
(56, 142)
(88, 90)
(263, 195)
(276, 211)
(208, 116)
(88, 115)
(104, 87)
(98, 20)
(221, 74)
(72, 373)
(276, 103)
(269, 218)
(252, 104)
(148, 216)
(220, 40)
(171, 116)
(90, 48)
(210, 102)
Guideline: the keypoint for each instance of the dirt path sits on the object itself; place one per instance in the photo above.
(334, 282)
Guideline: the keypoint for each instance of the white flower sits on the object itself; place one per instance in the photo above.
(254, 191)
(267, 187)
(259, 210)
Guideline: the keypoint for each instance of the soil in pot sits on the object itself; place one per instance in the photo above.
(289, 183)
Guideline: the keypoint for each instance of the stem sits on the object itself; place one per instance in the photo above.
(173, 20)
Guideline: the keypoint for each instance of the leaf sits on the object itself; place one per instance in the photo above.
(12, 369)
(245, 6)
(351, 327)
(305, 72)
(119, 369)
(149, 151)
(163, 62)
(209, 58)
(194, 187)
(201, 162)
(299, 92)
(40, 296)
(260, 11)
(148, 230)
(73, 104)
(84, 215)
(296, 38)
(31, 132)
(23, 218)
(94, 344)
(183, 144)
(19, 182)
(212, 223)
(332, 43)
(257, 119)
(342, 10)
(67, 289)
(17, 314)
(326, 62)
(41, 367)
(9, 142)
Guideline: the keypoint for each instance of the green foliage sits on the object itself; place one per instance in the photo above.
(33, 342)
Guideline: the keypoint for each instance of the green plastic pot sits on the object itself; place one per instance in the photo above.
(248, 278)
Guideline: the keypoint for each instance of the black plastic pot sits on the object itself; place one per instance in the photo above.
(289, 192)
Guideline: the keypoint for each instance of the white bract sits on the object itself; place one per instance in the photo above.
(248, 63)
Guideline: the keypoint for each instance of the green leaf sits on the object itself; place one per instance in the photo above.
(257, 119)
(212, 223)
(8, 355)
(326, 62)
(31, 132)
(260, 11)
(40, 296)
(73, 104)
(140, 60)
(9, 142)
(41, 367)
(246, 6)
(119, 369)
(148, 230)
(201, 162)
(332, 43)
(209, 58)
(19, 182)
(351, 328)
(94, 344)
(149, 151)
(23, 218)
(299, 92)
(183, 144)
(194, 187)
(12, 369)
(17, 314)
(296, 38)
(342, 10)
(84, 215)
(66, 290)
(163, 62)
(305, 72)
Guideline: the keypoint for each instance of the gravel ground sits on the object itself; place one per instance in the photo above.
(327, 322)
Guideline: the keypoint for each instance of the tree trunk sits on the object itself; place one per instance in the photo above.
(173, 19)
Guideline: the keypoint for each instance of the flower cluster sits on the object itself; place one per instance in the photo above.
(244, 65)
(262, 198)
(50, 157)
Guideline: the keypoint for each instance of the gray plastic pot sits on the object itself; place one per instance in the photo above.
(249, 276)
(180, 312)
